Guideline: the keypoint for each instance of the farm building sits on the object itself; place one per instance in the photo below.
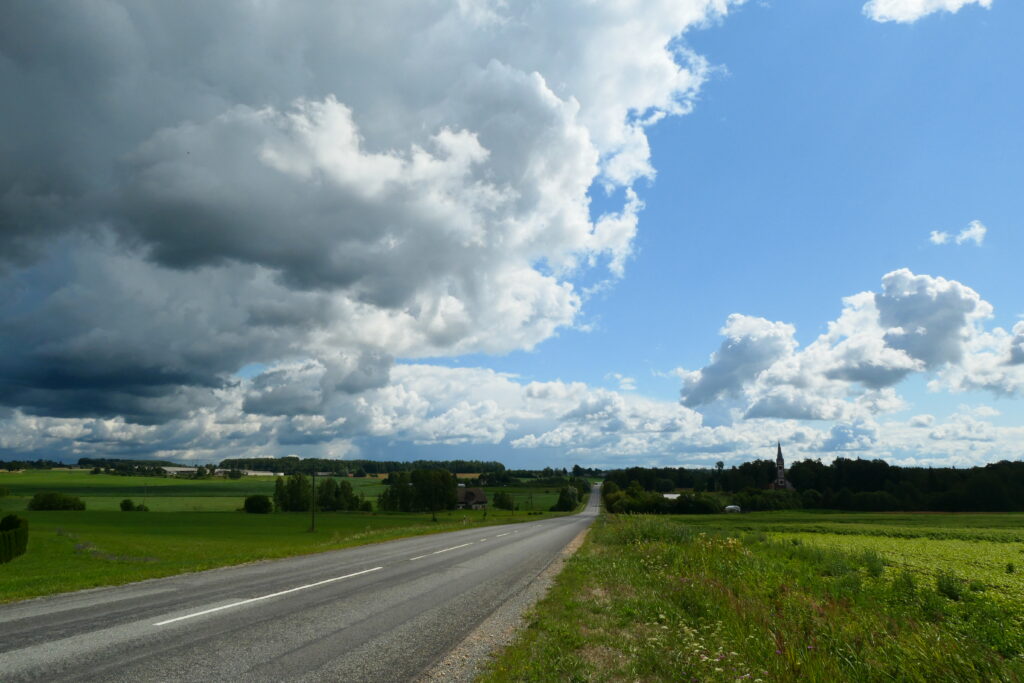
(470, 498)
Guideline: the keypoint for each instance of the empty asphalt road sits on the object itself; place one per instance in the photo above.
(380, 612)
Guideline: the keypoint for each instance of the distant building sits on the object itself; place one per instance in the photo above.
(470, 498)
(178, 471)
(780, 483)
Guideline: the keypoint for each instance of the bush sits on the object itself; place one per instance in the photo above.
(127, 505)
(258, 504)
(234, 474)
(13, 537)
(51, 500)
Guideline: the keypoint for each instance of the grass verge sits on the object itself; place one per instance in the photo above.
(671, 598)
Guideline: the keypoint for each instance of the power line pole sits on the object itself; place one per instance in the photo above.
(312, 504)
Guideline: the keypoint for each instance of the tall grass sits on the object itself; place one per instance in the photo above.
(662, 598)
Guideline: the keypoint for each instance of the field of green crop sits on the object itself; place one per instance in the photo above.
(782, 597)
(192, 525)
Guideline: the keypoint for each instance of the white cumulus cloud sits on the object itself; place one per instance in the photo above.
(907, 11)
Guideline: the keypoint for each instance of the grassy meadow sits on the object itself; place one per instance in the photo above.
(783, 597)
(192, 525)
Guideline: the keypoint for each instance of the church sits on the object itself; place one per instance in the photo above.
(780, 483)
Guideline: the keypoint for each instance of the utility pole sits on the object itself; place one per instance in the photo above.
(312, 504)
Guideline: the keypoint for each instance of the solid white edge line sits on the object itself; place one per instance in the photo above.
(264, 597)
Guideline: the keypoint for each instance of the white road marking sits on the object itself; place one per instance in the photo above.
(504, 534)
(264, 597)
(438, 552)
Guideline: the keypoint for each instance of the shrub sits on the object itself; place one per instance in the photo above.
(127, 505)
(258, 504)
(141, 508)
(51, 500)
(1010, 568)
(234, 474)
(13, 537)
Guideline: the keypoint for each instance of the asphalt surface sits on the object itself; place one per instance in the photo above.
(383, 612)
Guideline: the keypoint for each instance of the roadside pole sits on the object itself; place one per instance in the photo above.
(312, 504)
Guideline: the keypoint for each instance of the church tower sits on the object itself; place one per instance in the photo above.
(780, 482)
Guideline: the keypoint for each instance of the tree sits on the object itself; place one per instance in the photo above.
(568, 499)
(292, 494)
(398, 497)
(50, 500)
(503, 501)
(336, 495)
(279, 494)
(127, 505)
(433, 490)
(258, 504)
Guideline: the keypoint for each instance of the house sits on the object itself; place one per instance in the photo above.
(470, 498)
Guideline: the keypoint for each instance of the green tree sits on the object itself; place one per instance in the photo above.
(503, 501)
(433, 490)
(568, 499)
(279, 494)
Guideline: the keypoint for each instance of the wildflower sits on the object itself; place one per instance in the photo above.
(778, 652)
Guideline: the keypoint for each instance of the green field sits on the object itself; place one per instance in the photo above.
(105, 491)
(192, 525)
(783, 597)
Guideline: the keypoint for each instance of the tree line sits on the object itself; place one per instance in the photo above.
(290, 464)
(845, 484)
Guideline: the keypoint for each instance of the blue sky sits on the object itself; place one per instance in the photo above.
(806, 151)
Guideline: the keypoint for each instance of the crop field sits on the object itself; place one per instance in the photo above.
(784, 596)
(192, 525)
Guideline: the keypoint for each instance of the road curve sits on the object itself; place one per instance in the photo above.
(383, 612)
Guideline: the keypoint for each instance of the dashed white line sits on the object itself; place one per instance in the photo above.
(264, 597)
(438, 552)
(504, 534)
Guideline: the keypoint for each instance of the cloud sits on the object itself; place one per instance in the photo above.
(915, 324)
(752, 345)
(907, 11)
(179, 200)
(974, 232)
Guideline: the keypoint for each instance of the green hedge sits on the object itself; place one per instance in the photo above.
(13, 537)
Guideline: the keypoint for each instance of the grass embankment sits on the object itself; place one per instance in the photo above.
(193, 525)
(702, 599)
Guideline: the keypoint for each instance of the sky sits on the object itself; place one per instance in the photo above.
(610, 234)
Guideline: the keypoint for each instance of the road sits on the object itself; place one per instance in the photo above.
(373, 613)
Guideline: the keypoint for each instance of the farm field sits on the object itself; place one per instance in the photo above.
(105, 491)
(192, 525)
(784, 596)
